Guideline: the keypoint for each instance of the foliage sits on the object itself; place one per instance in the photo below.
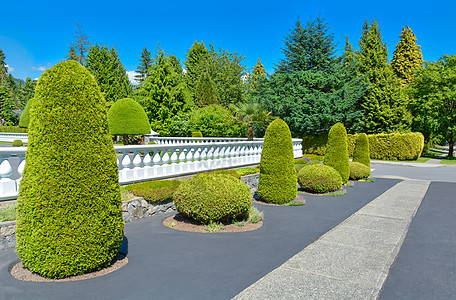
(212, 197)
(298, 201)
(197, 134)
(6, 106)
(127, 117)
(359, 171)
(154, 191)
(258, 72)
(318, 178)
(407, 56)
(80, 46)
(298, 167)
(250, 114)
(109, 72)
(277, 183)
(145, 63)
(213, 227)
(196, 56)
(314, 144)
(308, 48)
(205, 91)
(215, 121)
(163, 94)
(434, 106)
(7, 213)
(232, 173)
(69, 218)
(361, 151)
(349, 57)
(385, 103)
(255, 216)
(3, 69)
(18, 143)
(396, 146)
(247, 171)
(336, 154)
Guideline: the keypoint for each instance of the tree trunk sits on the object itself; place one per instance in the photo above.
(450, 146)
(250, 133)
(125, 139)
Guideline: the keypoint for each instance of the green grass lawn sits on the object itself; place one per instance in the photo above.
(448, 161)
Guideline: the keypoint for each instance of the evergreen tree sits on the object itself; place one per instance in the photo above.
(109, 72)
(385, 103)
(72, 54)
(349, 56)
(196, 56)
(29, 89)
(407, 56)
(80, 44)
(144, 65)
(308, 48)
(6, 106)
(258, 71)
(163, 94)
(205, 92)
(3, 68)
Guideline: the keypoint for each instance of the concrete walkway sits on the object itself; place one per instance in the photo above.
(352, 260)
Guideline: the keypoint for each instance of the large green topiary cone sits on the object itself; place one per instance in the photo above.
(278, 180)
(69, 219)
(361, 153)
(336, 154)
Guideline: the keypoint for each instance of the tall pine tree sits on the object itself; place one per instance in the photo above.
(145, 63)
(6, 106)
(109, 72)
(385, 103)
(72, 54)
(258, 72)
(196, 56)
(80, 44)
(308, 47)
(205, 92)
(3, 69)
(407, 56)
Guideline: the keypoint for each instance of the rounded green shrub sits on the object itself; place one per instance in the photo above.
(361, 151)
(359, 170)
(336, 155)
(25, 116)
(212, 197)
(197, 134)
(319, 178)
(299, 167)
(127, 117)
(17, 143)
(277, 183)
(69, 217)
(216, 121)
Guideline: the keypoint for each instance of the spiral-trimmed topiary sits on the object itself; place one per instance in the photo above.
(359, 171)
(336, 155)
(69, 217)
(212, 197)
(25, 116)
(277, 183)
(127, 117)
(318, 178)
(361, 151)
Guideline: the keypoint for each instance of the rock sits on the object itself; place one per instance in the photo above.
(144, 203)
(7, 230)
(137, 213)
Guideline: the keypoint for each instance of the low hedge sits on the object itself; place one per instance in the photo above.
(359, 171)
(13, 129)
(392, 146)
(155, 190)
(212, 197)
(319, 178)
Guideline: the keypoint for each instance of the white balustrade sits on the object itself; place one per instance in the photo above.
(170, 157)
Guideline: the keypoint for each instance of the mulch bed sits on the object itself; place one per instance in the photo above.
(186, 224)
(21, 273)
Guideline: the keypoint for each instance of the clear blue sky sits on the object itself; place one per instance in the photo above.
(37, 34)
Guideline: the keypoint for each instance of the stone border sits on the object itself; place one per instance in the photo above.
(133, 209)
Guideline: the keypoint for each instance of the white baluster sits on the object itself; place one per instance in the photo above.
(156, 159)
(126, 161)
(5, 168)
(204, 154)
(165, 158)
(227, 152)
(20, 168)
(233, 152)
(197, 155)
(222, 152)
(174, 157)
(189, 156)
(216, 153)
(147, 160)
(181, 156)
(137, 160)
(210, 154)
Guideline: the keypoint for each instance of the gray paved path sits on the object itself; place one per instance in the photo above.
(426, 266)
(352, 260)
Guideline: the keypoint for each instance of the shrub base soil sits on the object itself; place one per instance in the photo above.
(186, 224)
(21, 273)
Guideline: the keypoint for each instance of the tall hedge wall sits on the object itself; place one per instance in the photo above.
(393, 146)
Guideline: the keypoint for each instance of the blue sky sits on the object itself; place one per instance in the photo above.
(35, 35)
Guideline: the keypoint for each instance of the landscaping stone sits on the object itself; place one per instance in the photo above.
(252, 182)
(7, 235)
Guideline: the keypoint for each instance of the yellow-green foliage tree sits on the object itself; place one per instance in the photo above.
(361, 152)
(69, 218)
(407, 56)
(336, 155)
(278, 179)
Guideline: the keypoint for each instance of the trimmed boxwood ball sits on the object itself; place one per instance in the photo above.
(212, 197)
(277, 183)
(127, 117)
(359, 171)
(361, 151)
(336, 155)
(69, 217)
(17, 143)
(24, 119)
(319, 178)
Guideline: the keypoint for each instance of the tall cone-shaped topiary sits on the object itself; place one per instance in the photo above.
(361, 152)
(24, 119)
(336, 154)
(127, 117)
(69, 218)
(278, 180)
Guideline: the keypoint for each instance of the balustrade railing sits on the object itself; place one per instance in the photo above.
(162, 160)
(11, 136)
